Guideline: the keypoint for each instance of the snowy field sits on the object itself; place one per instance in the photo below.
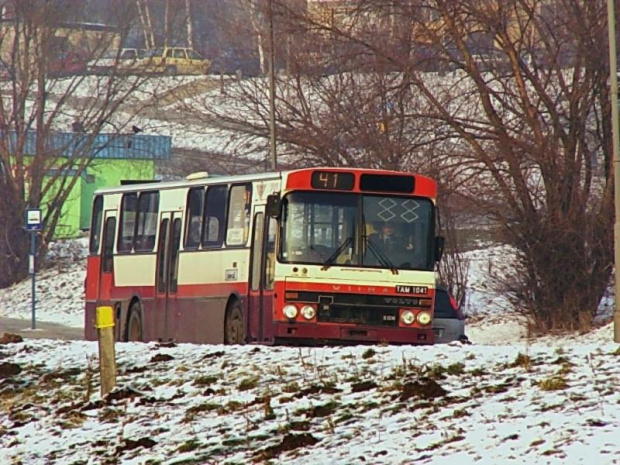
(503, 399)
(193, 404)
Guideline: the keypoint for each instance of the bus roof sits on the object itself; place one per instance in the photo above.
(225, 179)
(212, 179)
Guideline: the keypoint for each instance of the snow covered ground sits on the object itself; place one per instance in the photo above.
(503, 399)
(449, 404)
(59, 289)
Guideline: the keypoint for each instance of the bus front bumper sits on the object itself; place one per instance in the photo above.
(319, 333)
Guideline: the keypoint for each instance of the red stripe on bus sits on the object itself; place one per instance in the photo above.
(214, 289)
(111, 292)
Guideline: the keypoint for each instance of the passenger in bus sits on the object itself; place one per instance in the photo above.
(195, 228)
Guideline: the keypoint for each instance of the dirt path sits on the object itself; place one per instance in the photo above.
(42, 331)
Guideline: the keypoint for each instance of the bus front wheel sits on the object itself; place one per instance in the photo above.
(134, 324)
(234, 332)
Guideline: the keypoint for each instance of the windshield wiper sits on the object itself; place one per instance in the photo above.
(378, 253)
(330, 260)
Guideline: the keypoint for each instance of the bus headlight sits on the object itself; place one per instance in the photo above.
(424, 318)
(307, 312)
(407, 317)
(290, 311)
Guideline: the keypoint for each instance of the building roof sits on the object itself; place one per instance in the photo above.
(110, 146)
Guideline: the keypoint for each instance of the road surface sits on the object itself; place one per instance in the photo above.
(42, 331)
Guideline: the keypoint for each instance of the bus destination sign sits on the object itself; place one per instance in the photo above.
(334, 180)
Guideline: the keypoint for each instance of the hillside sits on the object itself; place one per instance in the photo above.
(502, 399)
(214, 404)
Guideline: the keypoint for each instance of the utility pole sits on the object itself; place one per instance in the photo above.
(615, 121)
(272, 90)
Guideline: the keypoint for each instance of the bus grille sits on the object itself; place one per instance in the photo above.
(359, 315)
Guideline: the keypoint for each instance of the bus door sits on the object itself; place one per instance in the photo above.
(106, 270)
(166, 313)
(262, 264)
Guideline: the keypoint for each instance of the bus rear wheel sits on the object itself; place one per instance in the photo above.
(234, 331)
(134, 325)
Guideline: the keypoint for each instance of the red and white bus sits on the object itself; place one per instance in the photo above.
(282, 257)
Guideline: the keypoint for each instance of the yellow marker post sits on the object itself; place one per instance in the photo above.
(104, 322)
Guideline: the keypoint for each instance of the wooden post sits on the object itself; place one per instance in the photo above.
(107, 360)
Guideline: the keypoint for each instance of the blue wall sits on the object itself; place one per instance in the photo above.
(116, 146)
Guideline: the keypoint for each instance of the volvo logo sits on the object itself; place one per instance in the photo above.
(402, 301)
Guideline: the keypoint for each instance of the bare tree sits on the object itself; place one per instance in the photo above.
(41, 160)
(189, 23)
(144, 11)
(529, 102)
(536, 135)
(509, 96)
(167, 23)
(256, 14)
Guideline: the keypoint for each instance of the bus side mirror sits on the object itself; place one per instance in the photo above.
(439, 245)
(273, 206)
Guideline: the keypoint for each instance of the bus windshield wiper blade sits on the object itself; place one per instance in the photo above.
(378, 253)
(330, 260)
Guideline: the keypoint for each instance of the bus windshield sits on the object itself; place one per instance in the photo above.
(358, 230)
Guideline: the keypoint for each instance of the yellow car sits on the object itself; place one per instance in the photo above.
(171, 61)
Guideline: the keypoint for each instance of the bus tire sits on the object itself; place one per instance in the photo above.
(135, 331)
(170, 71)
(234, 326)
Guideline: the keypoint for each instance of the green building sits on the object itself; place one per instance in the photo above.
(115, 158)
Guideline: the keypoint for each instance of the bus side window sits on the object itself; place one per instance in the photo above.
(107, 265)
(270, 266)
(127, 228)
(95, 225)
(257, 251)
(193, 222)
(214, 215)
(174, 255)
(239, 215)
(148, 209)
(212, 236)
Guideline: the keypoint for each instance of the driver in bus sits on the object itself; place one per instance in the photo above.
(397, 249)
(387, 239)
